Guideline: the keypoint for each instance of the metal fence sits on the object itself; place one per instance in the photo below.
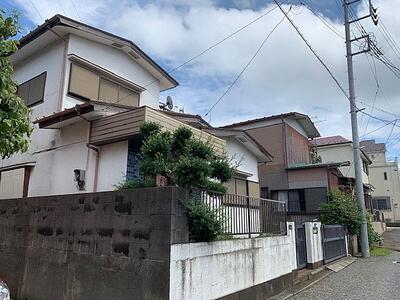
(243, 215)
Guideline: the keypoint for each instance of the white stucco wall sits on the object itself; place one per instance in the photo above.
(388, 188)
(313, 242)
(240, 154)
(212, 270)
(115, 61)
(112, 166)
(57, 152)
(341, 153)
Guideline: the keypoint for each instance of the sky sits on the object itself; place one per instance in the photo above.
(284, 76)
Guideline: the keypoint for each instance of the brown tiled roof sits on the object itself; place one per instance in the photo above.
(369, 146)
(190, 119)
(289, 114)
(330, 140)
(306, 122)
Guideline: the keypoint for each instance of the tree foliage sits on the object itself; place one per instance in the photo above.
(184, 160)
(15, 128)
(204, 224)
(343, 209)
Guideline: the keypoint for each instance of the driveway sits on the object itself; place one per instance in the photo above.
(391, 238)
(372, 278)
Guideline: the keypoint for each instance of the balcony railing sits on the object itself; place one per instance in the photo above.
(243, 215)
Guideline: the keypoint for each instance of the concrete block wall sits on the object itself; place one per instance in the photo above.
(110, 245)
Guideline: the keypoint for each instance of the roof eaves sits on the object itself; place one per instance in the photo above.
(65, 21)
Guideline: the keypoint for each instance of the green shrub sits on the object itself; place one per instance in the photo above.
(134, 184)
(214, 186)
(373, 237)
(150, 128)
(191, 172)
(344, 210)
(182, 159)
(341, 209)
(180, 138)
(198, 149)
(204, 225)
(222, 170)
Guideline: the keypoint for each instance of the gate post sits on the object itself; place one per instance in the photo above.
(315, 254)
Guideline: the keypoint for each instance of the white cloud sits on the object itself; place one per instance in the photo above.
(284, 77)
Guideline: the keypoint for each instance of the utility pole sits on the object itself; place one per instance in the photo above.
(354, 123)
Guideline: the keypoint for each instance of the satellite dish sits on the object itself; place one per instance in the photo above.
(170, 103)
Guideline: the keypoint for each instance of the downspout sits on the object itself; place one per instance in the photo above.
(63, 67)
(97, 150)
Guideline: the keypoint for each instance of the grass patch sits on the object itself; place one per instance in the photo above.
(380, 251)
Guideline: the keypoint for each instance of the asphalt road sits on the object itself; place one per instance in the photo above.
(391, 239)
(372, 278)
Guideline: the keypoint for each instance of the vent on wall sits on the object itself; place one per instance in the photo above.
(117, 45)
(133, 54)
(242, 140)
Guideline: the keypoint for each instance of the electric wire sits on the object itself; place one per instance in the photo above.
(207, 49)
(245, 67)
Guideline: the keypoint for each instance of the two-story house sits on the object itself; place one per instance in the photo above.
(338, 148)
(384, 176)
(89, 92)
(294, 175)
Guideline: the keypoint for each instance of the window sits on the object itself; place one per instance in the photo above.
(90, 85)
(365, 167)
(381, 204)
(385, 175)
(32, 91)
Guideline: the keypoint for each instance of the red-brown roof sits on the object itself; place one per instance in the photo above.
(330, 140)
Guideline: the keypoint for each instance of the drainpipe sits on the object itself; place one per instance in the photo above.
(63, 67)
(97, 150)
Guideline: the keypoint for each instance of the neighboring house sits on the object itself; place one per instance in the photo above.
(241, 148)
(384, 176)
(89, 92)
(293, 175)
(339, 149)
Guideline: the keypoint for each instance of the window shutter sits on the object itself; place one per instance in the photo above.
(241, 187)
(108, 91)
(230, 186)
(23, 91)
(83, 82)
(36, 90)
(128, 97)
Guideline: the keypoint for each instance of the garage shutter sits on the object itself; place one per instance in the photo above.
(12, 183)
(84, 82)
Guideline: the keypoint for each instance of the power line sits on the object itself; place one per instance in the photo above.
(35, 8)
(312, 50)
(245, 67)
(391, 131)
(207, 49)
(323, 20)
(76, 10)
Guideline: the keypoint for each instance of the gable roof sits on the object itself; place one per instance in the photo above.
(246, 140)
(190, 119)
(369, 146)
(304, 121)
(61, 25)
(330, 140)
